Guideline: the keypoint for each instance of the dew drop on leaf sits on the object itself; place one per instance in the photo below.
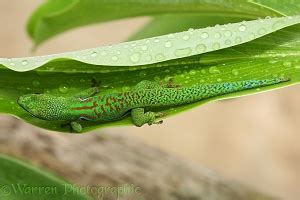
(94, 54)
(216, 46)
(160, 57)
(200, 48)
(125, 88)
(218, 35)
(115, 58)
(186, 37)
(144, 48)
(103, 53)
(228, 33)
(135, 57)
(143, 74)
(238, 40)
(262, 31)
(171, 35)
(193, 72)
(24, 62)
(242, 28)
(204, 35)
(168, 44)
(287, 64)
(156, 78)
(228, 42)
(63, 88)
(235, 72)
(183, 52)
(214, 70)
(35, 83)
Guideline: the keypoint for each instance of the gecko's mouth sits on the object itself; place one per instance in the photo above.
(26, 102)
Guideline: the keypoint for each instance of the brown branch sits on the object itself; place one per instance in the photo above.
(116, 160)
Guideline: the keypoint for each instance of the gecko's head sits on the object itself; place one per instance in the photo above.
(43, 106)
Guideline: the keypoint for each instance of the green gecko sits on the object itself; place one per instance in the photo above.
(146, 95)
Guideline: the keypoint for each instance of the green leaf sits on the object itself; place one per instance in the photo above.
(56, 16)
(22, 181)
(291, 7)
(272, 54)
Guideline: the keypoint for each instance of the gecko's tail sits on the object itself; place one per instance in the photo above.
(249, 84)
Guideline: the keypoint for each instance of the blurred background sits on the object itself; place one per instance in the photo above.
(254, 139)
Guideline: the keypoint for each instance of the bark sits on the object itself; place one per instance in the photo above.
(118, 161)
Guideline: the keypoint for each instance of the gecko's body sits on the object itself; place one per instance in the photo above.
(109, 107)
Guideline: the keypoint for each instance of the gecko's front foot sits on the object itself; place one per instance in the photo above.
(140, 117)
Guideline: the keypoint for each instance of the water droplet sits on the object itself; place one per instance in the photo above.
(94, 54)
(35, 83)
(156, 40)
(216, 46)
(200, 48)
(186, 37)
(125, 88)
(144, 48)
(103, 53)
(252, 36)
(148, 58)
(135, 57)
(227, 42)
(219, 80)
(115, 58)
(160, 57)
(156, 78)
(168, 44)
(191, 31)
(204, 35)
(262, 31)
(214, 70)
(238, 40)
(297, 67)
(287, 64)
(242, 28)
(172, 35)
(235, 72)
(63, 88)
(273, 61)
(105, 86)
(218, 35)
(193, 72)
(278, 24)
(143, 74)
(228, 33)
(183, 52)
(24, 62)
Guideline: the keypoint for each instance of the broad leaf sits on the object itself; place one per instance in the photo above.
(22, 181)
(56, 16)
(272, 54)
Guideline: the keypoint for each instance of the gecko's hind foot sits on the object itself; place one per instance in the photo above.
(171, 84)
(95, 82)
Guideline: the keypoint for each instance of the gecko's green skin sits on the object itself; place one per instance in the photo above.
(146, 95)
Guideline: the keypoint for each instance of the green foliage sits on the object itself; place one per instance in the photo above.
(248, 50)
(56, 16)
(22, 181)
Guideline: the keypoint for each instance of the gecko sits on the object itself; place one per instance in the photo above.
(90, 105)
